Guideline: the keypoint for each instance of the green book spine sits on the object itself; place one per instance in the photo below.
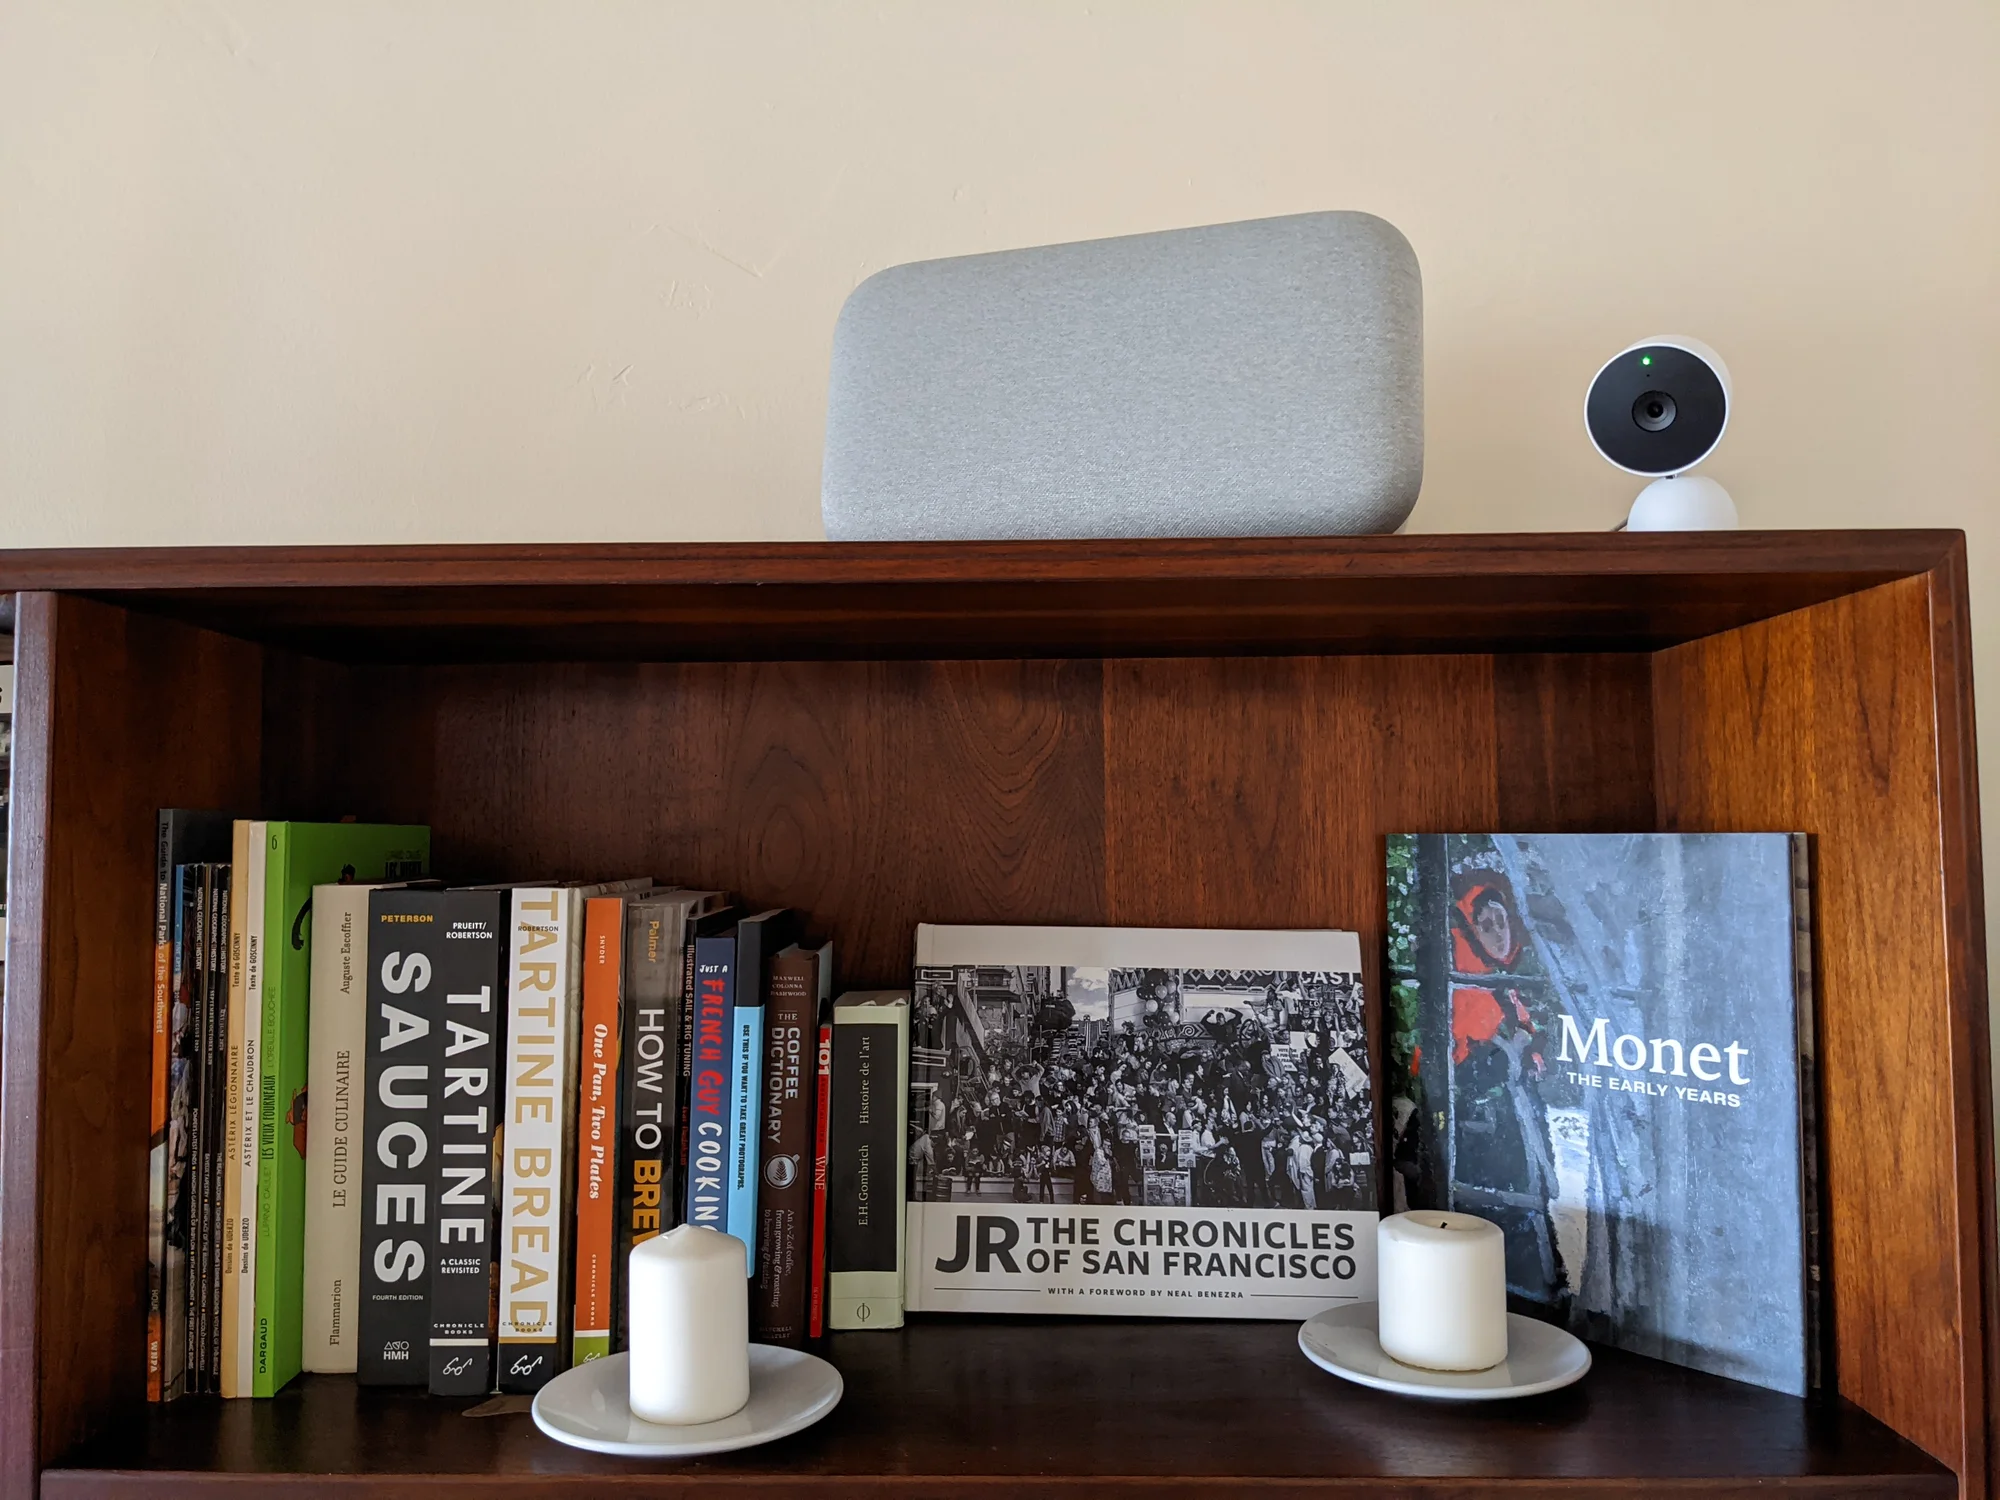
(299, 857)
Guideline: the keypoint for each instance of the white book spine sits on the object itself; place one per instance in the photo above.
(338, 1037)
(243, 1145)
(539, 1038)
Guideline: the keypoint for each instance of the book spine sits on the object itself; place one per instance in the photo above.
(281, 1112)
(648, 1099)
(201, 1374)
(822, 1117)
(275, 1058)
(784, 1183)
(746, 1094)
(156, 1147)
(398, 1126)
(300, 856)
(337, 1015)
(537, 1064)
(597, 1125)
(183, 1158)
(218, 1000)
(684, 1079)
(244, 1103)
(197, 1169)
(865, 1165)
(232, 1110)
(1812, 1216)
(712, 1001)
(463, 1273)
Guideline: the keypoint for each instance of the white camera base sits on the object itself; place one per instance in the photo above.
(1686, 502)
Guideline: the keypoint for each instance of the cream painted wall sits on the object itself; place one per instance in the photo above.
(412, 270)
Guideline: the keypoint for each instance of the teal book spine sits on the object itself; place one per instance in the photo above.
(746, 1094)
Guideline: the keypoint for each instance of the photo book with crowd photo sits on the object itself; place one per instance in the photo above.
(1170, 1122)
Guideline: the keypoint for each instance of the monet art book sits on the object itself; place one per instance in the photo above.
(1131, 1120)
(1602, 1042)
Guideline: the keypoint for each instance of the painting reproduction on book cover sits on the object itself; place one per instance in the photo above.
(1602, 1042)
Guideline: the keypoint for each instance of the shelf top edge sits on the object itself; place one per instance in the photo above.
(1858, 558)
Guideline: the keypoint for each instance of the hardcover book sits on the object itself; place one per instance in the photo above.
(181, 836)
(405, 1045)
(1169, 1122)
(465, 1264)
(195, 1042)
(719, 919)
(1603, 1043)
(298, 856)
(864, 1236)
(649, 1075)
(203, 1372)
(597, 1124)
(757, 938)
(544, 996)
(216, 978)
(800, 983)
(713, 1003)
(822, 1148)
(337, 1023)
(244, 1026)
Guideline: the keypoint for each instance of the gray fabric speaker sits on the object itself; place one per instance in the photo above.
(1254, 379)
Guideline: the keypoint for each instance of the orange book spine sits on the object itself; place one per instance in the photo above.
(597, 1125)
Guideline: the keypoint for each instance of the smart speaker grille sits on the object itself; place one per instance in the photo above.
(1262, 378)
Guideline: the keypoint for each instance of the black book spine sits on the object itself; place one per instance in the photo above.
(399, 1126)
(706, 925)
(784, 1193)
(683, 1073)
(864, 1156)
(648, 1092)
(207, 1089)
(218, 1063)
(462, 1305)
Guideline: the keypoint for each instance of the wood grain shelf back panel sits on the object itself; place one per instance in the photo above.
(1824, 722)
(879, 794)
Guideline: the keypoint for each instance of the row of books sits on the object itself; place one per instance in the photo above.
(227, 1189)
(1597, 1041)
(512, 1085)
(551, 1074)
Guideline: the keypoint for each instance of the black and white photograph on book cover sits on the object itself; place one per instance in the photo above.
(1191, 1088)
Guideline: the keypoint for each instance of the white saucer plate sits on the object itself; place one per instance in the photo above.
(588, 1407)
(1540, 1357)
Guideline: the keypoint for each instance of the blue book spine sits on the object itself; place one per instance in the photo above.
(745, 1126)
(713, 1004)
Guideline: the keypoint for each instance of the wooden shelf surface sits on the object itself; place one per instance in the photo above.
(1569, 591)
(1056, 1407)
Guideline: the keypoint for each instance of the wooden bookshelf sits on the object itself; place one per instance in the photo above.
(1182, 733)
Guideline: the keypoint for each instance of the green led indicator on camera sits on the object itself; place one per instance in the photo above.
(1645, 359)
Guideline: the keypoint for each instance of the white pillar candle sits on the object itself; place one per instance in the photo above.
(689, 1319)
(1442, 1280)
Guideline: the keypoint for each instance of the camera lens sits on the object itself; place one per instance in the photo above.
(1654, 411)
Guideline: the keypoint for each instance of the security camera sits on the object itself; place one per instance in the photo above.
(1658, 409)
